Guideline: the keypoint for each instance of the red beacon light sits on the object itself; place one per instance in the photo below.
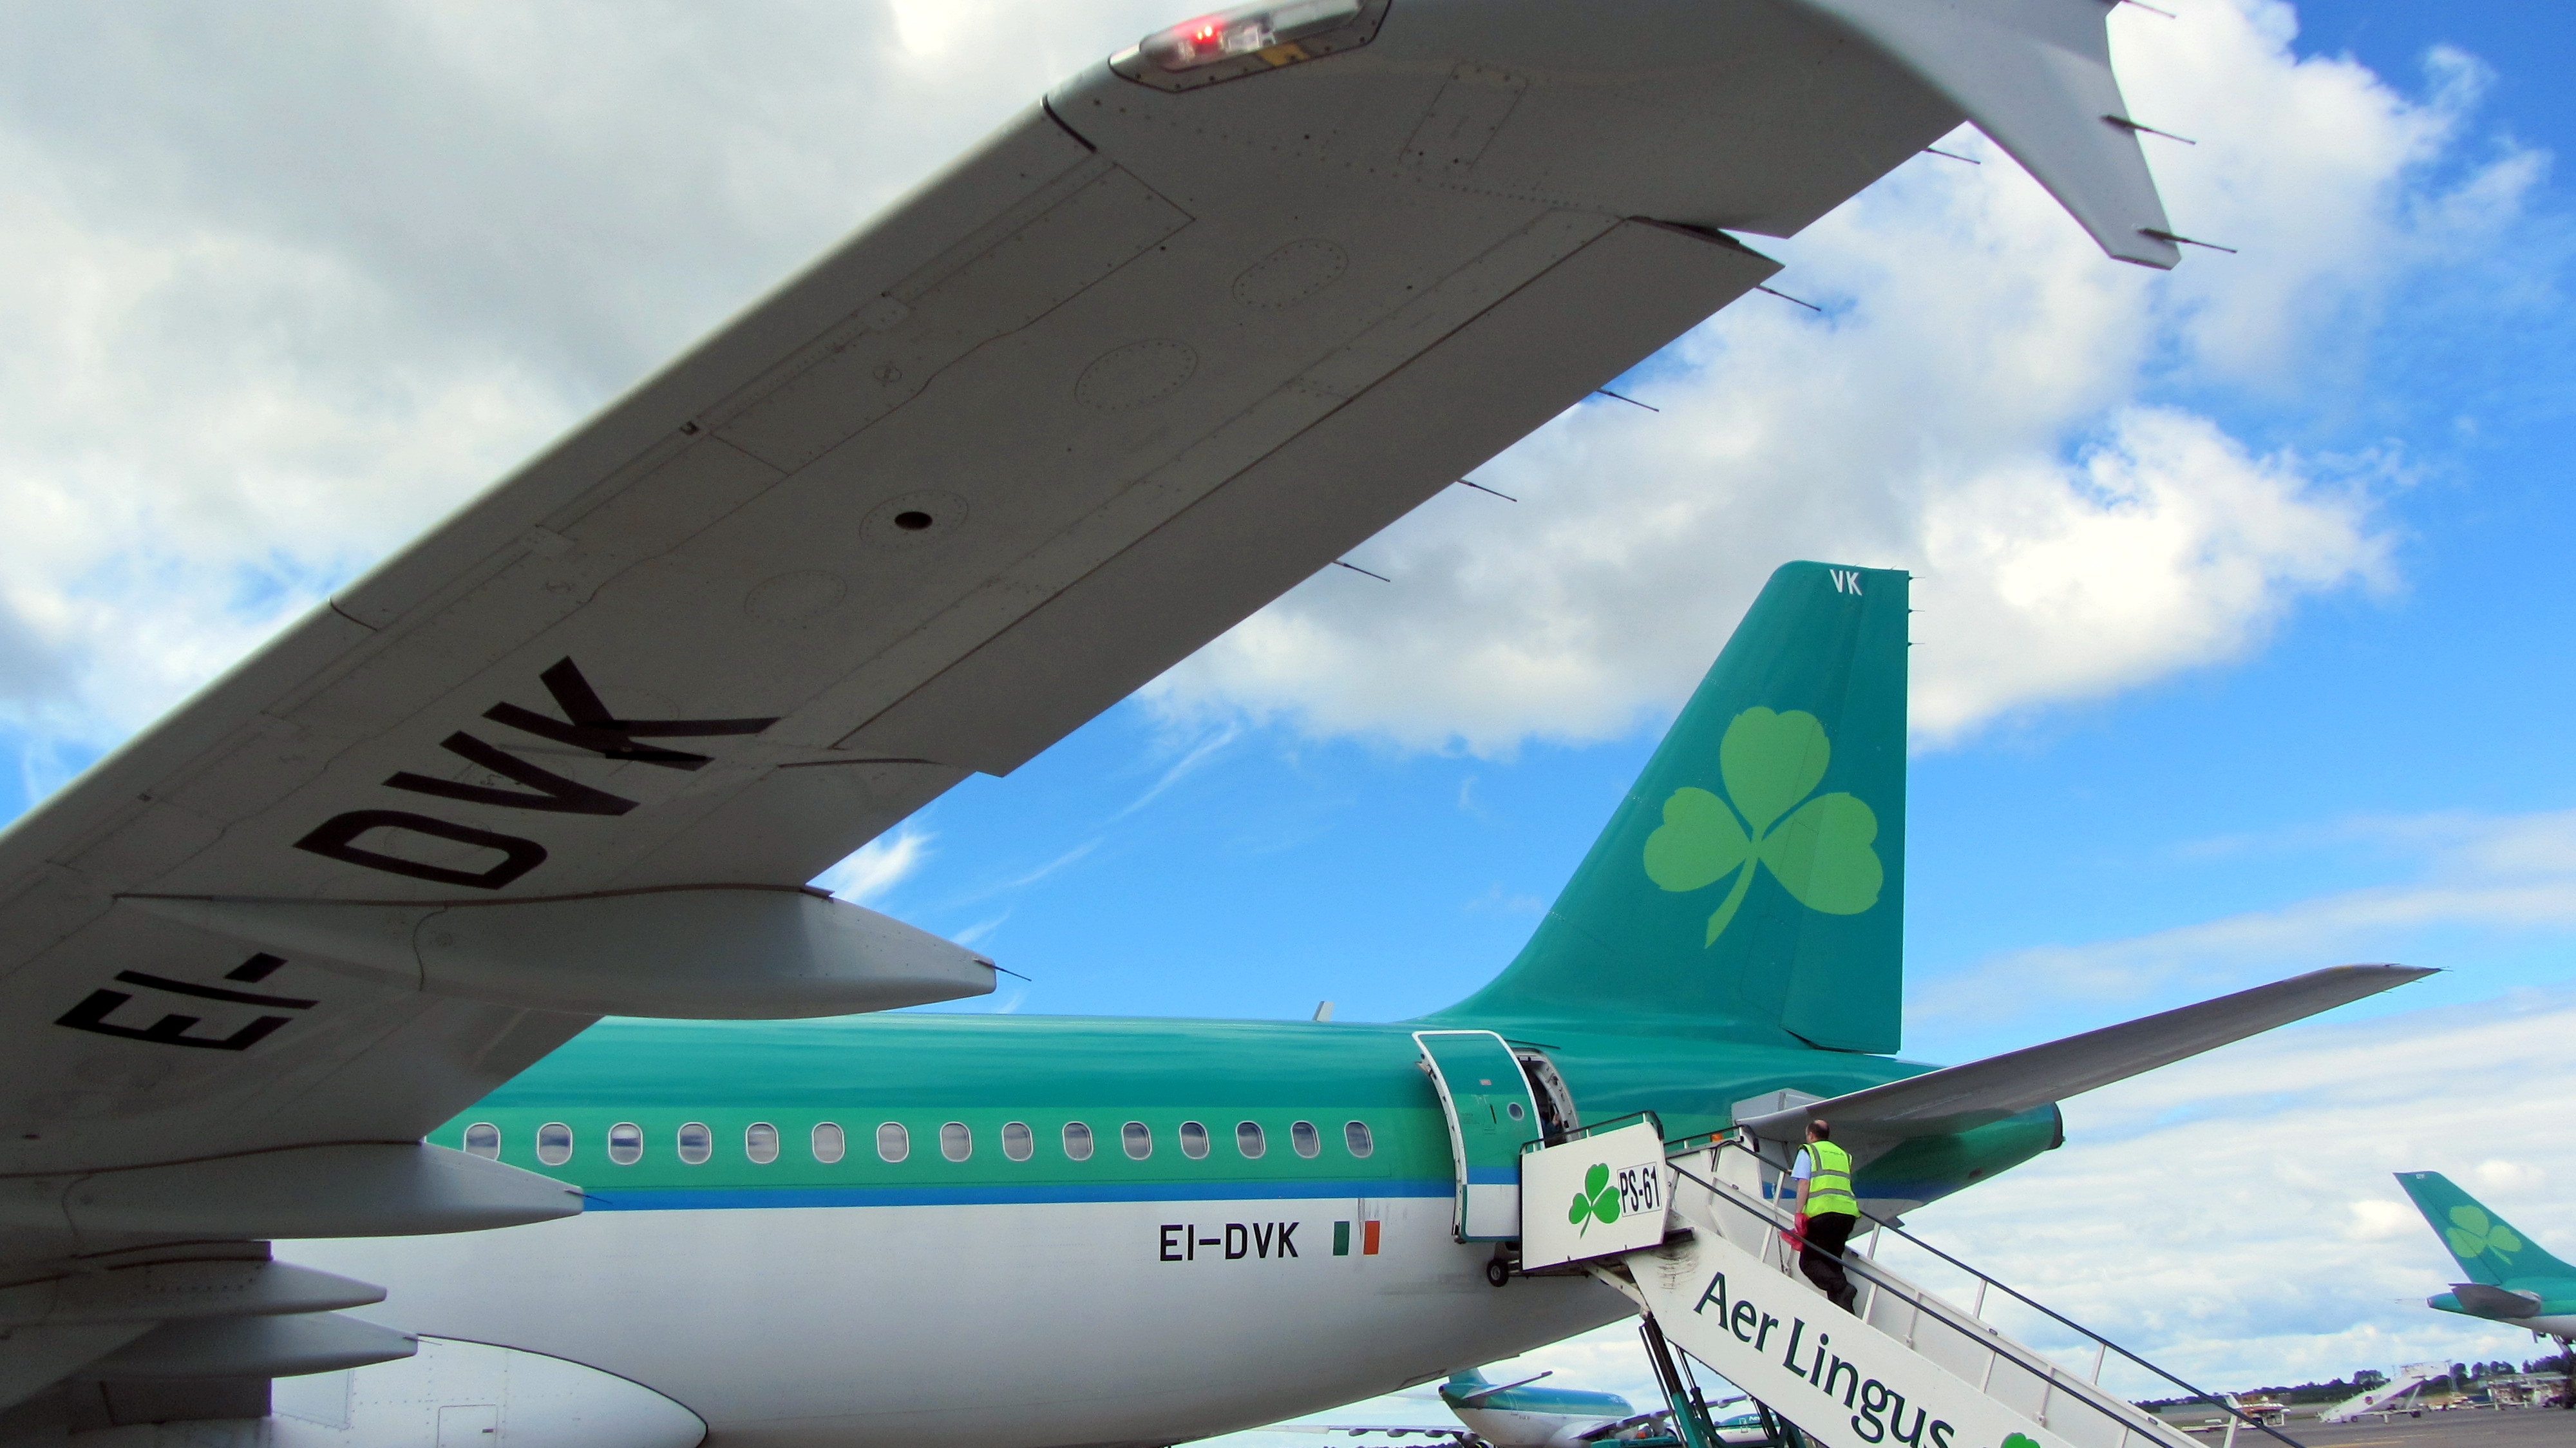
(1271, 32)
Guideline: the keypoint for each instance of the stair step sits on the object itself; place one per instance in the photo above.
(1910, 1371)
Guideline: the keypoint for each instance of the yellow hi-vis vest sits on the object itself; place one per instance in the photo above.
(1829, 1180)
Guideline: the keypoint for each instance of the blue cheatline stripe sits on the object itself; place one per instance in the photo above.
(1494, 1176)
(716, 1199)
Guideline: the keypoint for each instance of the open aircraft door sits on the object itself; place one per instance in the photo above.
(1491, 1112)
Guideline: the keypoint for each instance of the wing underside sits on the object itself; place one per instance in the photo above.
(1146, 358)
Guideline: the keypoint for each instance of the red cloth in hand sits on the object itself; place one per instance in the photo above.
(1797, 1236)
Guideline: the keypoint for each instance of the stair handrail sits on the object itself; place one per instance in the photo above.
(1765, 1212)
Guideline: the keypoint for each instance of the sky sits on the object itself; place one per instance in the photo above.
(2241, 636)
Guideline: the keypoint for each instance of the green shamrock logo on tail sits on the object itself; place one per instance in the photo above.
(2473, 1232)
(2020, 1440)
(1596, 1202)
(1820, 853)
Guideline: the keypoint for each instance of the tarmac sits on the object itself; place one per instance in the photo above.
(2458, 1428)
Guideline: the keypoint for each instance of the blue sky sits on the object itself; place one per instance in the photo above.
(2244, 643)
(1249, 866)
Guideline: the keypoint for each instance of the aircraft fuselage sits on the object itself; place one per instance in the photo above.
(993, 1287)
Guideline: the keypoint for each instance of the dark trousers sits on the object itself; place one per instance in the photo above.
(1822, 1258)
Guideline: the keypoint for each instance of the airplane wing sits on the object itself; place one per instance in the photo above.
(1613, 1430)
(1360, 1430)
(1165, 344)
(1957, 1098)
(2487, 1300)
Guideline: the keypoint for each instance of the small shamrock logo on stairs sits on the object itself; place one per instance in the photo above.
(1598, 1201)
(2474, 1233)
(1820, 853)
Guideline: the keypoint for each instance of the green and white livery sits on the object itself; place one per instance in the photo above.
(1515, 1414)
(860, 1216)
(2510, 1278)
(1238, 1221)
(459, 940)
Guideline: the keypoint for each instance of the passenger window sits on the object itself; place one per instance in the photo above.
(626, 1143)
(696, 1143)
(1247, 1138)
(760, 1142)
(893, 1142)
(829, 1144)
(1017, 1140)
(1077, 1141)
(1308, 1141)
(483, 1139)
(1193, 1140)
(1355, 1135)
(1138, 1138)
(955, 1142)
(554, 1143)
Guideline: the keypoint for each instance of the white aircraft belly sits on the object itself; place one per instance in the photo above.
(988, 1326)
(1505, 1429)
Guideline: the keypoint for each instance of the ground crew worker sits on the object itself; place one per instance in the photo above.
(1827, 1212)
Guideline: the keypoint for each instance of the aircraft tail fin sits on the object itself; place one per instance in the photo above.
(1754, 875)
(2487, 1247)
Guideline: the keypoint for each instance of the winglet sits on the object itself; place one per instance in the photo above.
(2035, 75)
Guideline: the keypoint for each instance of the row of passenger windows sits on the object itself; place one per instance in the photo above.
(695, 1144)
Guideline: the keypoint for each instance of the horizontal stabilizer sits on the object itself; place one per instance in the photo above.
(1481, 1394)
(1959, 1098)
(2488, 1301)
(2035, 75)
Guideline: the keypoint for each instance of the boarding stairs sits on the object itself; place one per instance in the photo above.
(2397, 1395)
(1908, 1370)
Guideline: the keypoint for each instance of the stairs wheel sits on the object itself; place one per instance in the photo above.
(1498, 1272)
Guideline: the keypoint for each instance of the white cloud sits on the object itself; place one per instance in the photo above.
(981, 930)
(1031, 877)
(1977, 405)
(881, 864)
(2508, 873)
(2499, 1175)
(2234, 1215)
(2381, 1221)
(283, 284)
(1205, 748)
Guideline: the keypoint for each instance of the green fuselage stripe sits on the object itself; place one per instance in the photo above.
(1228, 1110)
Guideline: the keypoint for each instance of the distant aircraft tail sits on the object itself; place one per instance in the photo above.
(1755, 874)
(2487, 1247)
